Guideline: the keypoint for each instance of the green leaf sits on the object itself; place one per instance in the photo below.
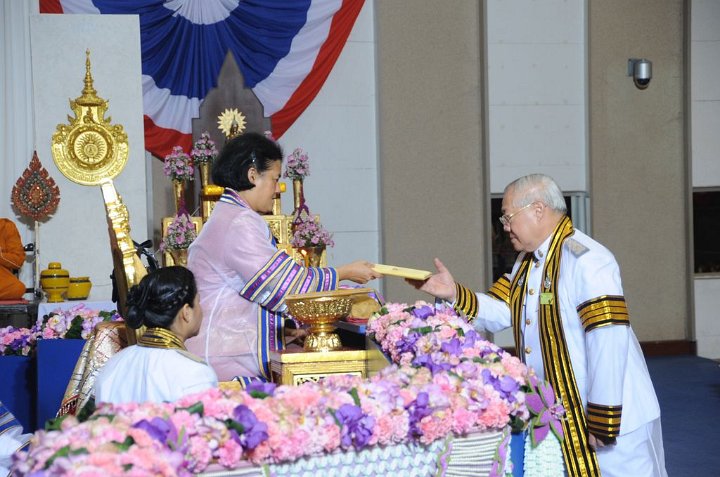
(356, 399)
(74, 332)
(423, 330)
(196, 408)
(126, 444)
(232, 424)
(337, 421)
(64, 452)
(55, 423)
(258, 394)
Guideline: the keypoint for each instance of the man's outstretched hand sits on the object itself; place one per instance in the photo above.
(440, 285)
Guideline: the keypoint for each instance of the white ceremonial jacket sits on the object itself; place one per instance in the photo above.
(607, 361)
(141, 374)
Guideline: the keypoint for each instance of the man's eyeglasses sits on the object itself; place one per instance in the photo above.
(505, 219)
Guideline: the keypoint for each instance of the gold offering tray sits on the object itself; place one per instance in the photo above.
(320, 311)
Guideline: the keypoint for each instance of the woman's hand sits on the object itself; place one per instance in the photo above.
(440, 285)
(358, 272)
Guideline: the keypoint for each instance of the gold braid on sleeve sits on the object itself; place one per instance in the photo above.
(466, 302)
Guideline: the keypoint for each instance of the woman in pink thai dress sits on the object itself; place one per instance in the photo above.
(242, 277)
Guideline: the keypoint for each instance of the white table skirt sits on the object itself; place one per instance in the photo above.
(471, 455)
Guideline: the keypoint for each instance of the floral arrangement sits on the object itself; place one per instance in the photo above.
(297, 165)
(180, 233)
(308, 232)
(435, 336)
(204, 150)
(446, 380)
(178, 166)
(76, 323)
(16, 341)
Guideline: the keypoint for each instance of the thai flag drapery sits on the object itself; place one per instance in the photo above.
(285, 50)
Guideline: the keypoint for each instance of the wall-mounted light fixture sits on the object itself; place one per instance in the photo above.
(641, 71)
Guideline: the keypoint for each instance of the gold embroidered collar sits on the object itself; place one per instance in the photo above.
(161, 338)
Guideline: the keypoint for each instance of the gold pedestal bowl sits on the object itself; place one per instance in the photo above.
(319, 311)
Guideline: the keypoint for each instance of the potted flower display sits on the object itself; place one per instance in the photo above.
(203, 154)
(311, 238)
(179, 235)
(297, 167)
(178, 166)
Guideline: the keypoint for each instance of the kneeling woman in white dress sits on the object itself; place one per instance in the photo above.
(159, 368)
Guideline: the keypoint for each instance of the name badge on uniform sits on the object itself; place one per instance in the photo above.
(547, 299)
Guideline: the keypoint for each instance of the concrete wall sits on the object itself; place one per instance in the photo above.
(639, 182)
(434, 192)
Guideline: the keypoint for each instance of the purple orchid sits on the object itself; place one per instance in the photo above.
(245, 428)
(506, 386)
(407, 343)
(471, 337)
(260, 389)
(163, 431)
(423, 312)
(452, 347)
(356, 426)
(547, 413)
(418, 409)
(426, 361)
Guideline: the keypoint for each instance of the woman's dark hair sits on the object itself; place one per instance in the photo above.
(231, 167)
(159, 296)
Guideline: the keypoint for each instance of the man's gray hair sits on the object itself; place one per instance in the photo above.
(537, 188)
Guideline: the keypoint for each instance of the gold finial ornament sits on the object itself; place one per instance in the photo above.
(231, 122)
(89, 148)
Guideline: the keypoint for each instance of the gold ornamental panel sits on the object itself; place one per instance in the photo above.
(89, 148)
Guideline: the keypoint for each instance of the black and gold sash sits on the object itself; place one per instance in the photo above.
(580, 458)
(161, 338)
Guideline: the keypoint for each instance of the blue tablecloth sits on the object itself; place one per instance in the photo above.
(17, 389)
(55, 363)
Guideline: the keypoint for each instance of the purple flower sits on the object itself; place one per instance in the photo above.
(452, 347)
(423, 312)
(260, 389)
(426, 361)
(162, 431)
(407, 343)
(356, 426)
(417, 410)
(471, 337)
(506, 386)
(547, 413)
(245, 428)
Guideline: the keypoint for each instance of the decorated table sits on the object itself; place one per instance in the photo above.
(445, 407)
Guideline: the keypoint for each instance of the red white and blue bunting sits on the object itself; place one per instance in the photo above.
(285, 50)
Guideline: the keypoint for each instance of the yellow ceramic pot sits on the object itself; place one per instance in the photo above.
(79, 288)
(54, 282)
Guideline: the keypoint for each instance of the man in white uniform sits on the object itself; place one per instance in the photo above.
(565, 302)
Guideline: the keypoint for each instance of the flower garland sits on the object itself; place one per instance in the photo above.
(178, 166)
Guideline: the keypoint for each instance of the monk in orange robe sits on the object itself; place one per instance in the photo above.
(12, 256)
